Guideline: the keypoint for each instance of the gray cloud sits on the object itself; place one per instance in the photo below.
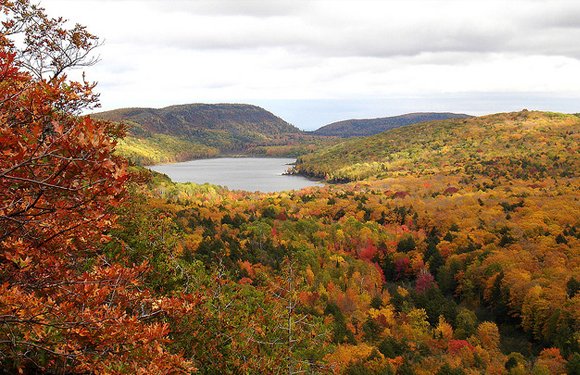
(248, 8)
(371, 29)
(558, 14)
(162, 52)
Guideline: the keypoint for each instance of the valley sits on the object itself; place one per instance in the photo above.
(440, 247)
(193, 131)
(241, 173)
(167, 241)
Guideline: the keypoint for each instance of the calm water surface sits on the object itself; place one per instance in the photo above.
(251, 174)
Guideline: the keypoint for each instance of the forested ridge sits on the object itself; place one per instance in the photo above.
(366, 127)
(190, 131)
(193, 131)
(452, 250)
(525, 145)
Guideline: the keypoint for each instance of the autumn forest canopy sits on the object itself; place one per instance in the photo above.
(438, 247)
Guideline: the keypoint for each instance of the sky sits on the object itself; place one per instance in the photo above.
(315, 62)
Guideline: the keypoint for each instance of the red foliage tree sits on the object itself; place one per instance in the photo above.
(64, 306)
(455, 346)
(402, 265)
(424, 281)
(369, 251)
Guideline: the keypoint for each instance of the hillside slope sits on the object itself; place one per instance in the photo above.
(366, 127)
(197, 130)
(461, 259)
(191, 120)
(520, 145)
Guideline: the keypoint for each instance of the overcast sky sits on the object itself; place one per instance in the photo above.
(314, 62)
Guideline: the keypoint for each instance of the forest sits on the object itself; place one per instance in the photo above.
(441, 248)
(366, 127)
(194, 131)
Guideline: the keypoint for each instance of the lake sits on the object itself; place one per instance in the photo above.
(250, 174)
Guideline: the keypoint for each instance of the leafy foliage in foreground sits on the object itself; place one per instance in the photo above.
(65, 306)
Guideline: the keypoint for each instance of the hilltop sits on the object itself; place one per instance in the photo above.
(191, 120)
(187, 131)
(521, 144)
(366, 127)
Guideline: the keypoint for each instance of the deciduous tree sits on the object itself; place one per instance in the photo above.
(64, 306)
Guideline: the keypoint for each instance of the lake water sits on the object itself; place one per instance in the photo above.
(250, 174)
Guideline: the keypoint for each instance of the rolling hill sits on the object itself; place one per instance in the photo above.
(519, 145)
(191, 120)
(187, 131)
(366, 127)
(457, 254)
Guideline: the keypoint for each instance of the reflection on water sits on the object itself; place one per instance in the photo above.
(251, 174)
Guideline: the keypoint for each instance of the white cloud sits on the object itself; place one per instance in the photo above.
(166, 52)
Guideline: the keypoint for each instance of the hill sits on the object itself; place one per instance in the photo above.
(243, 121)
(366, 127)
(458, 254)
(198, 130)
(521, 145)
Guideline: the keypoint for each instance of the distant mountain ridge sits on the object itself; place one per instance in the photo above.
(182, 132)
(192, 119)
(193, 131)
(366, 127)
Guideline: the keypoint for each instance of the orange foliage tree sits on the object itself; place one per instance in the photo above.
(64, 306)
